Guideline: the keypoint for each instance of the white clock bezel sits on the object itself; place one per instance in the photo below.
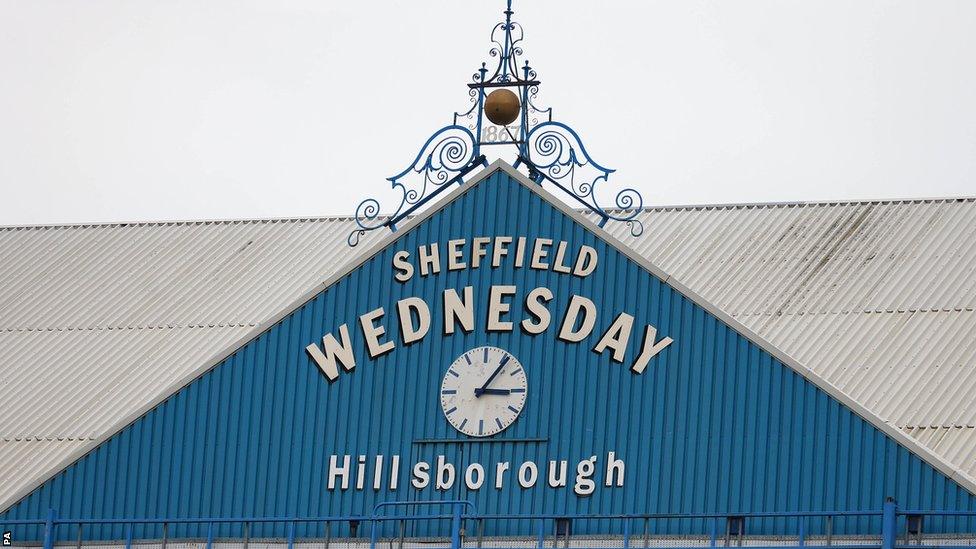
(461, 403)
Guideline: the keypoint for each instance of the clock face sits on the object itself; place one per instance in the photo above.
(483, 391)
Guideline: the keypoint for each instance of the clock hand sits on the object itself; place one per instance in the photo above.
(479, 392)
(501, 365)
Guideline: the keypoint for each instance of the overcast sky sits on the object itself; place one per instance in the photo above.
(144, 110)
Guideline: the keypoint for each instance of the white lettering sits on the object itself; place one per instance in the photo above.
(650, 349)
(557, 478)
(378, 472)
(373, 333)
(408, 330)
(336, 471)
(584, 477)
(616, 337)
(403, 266)
(585, 262)
(474, 476)
(527, 475)
(456, 310)
(500, 250)
(497, 308)
(454, 262)
(539, 252)
(326, 360)
(578, 304)
(421, 476)
(360, 472)
(520, 252)
(394, 472)
(534, 305)
(478, 244)
(500, 469)
(430, 260)
(557, 265)
(445, 474)
(615, 469)
(441, 474)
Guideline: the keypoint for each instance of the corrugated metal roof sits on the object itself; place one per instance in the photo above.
(98, 320)
(878, 298)
(955, 443)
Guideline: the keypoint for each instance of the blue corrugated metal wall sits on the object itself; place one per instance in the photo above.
(715, 424)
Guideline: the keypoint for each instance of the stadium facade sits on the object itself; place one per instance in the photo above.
(502, 362)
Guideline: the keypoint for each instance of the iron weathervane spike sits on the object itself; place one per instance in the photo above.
(507, 115)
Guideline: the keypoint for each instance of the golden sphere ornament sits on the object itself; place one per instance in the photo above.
(502, 107)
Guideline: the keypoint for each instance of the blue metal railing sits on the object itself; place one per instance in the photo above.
(716, 531)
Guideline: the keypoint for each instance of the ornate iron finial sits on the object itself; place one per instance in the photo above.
(551, 151)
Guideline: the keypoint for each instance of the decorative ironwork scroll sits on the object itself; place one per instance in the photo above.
(556, 154)
(445, 158)
(552, 151)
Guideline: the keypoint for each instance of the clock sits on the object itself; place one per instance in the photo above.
(483, 391)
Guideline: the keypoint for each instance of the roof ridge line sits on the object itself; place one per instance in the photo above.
(800, 203)
(122, 328)
(176, 222)
(46, 438)
(325, 218)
